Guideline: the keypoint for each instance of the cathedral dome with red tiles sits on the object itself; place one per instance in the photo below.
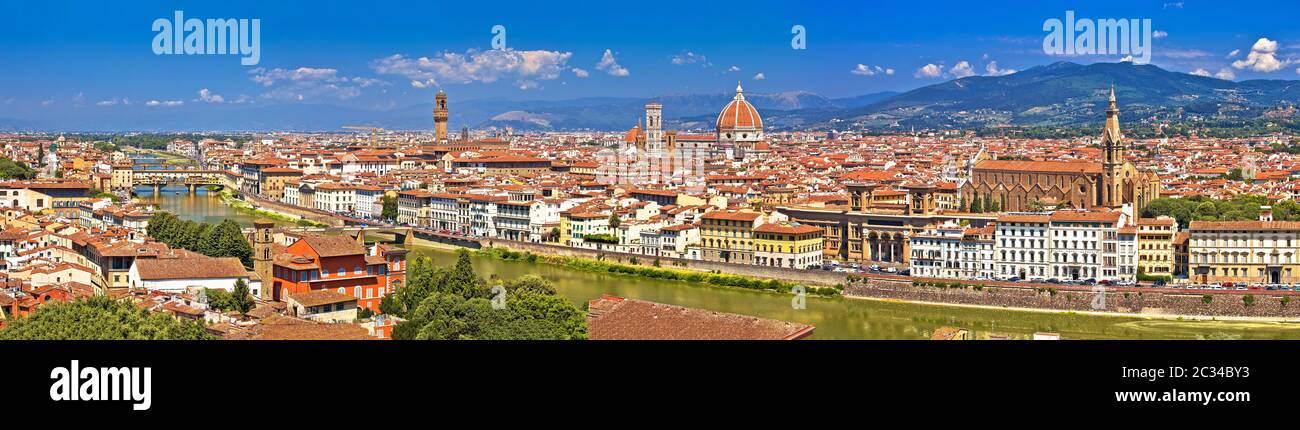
(739, 117)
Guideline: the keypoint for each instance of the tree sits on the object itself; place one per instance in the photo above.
(227, 240)
(614, 221)
(461, 279)
(390, 306)
(531, 284)
(161, 226)
(241, 299)
(390, 208)
(528, 315)
(420, 277)
(1248, 300)
(10, 169)
(457, 306)
(218, 299)
(975, 205)
(100, 318)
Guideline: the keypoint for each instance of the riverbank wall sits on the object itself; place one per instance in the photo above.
(811, 277)
(1155, 303)
(285, 208)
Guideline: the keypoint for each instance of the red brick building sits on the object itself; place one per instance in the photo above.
(339, 264)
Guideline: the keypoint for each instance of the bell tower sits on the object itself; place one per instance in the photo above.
(440, 116)
(653, 127)
(262, 258)
(1112, 146)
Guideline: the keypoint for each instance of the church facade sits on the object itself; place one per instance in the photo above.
(1016, 185)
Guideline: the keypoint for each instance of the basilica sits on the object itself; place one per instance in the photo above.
(738, 132)
(1018, 185)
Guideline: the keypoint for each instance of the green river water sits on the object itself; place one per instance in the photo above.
(835, 318)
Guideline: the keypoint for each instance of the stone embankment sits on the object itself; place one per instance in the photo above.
(1127, 300)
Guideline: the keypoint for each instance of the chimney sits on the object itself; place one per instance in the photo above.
(1266, 213)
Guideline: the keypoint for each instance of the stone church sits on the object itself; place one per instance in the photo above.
(1112, 183)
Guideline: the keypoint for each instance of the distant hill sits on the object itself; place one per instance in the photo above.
(1066, 93)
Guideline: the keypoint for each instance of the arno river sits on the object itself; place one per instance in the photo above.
(837, 318)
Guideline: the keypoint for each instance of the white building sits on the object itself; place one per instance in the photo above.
(1021, 246)
(1084, 245)
(178, 274)
(937, 251)
(368, 202)
(978, 260)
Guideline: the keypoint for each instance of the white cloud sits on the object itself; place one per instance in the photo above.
(992, 69)
(580, 73)
(961, 69)
(610, 65)
(206, 96)
(1200, 72)
(1233, 54)
(733, 69)
(929, 71)
(526, 84)
(1158, 34)
(1225, 74)
(760, 76)
(1262, 57)
(112, 102)
(164, 103)
(865, 70)
(689, 57)
(306, 83)
(475, 66)
(47, 103)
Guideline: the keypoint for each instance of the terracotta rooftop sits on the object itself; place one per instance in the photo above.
(193, 267)
(333, 246)
(1245, 225)
(615, 318)
(1040, 166)
(321, 297)
(1076, 216)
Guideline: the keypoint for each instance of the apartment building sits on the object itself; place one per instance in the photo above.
(1156, 255)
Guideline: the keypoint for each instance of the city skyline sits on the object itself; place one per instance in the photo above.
(368, 59)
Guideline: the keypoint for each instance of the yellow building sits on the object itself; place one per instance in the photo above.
(785, 245)
(1155, 238)
(578, 224)
(1263, 251)
(728, 236)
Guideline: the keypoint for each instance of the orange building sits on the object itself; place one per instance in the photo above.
(340, 264)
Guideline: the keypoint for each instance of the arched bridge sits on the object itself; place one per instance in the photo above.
(191, 178)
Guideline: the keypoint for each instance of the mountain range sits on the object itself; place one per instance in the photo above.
(1061, 93)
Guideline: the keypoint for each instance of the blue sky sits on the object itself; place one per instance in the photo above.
(57, 57)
